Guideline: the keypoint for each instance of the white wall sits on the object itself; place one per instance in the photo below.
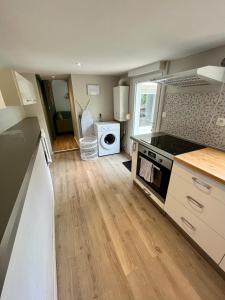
(10, 116)
(102, 103)
(60, 89)
(210, 57)
(189, 111)
(37, 110)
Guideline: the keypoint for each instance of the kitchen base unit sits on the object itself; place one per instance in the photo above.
(31, 273)
(196, 203)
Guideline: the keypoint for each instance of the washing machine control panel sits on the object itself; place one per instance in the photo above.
(105, 128)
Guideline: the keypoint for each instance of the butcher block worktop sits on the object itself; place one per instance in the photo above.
(210, 162)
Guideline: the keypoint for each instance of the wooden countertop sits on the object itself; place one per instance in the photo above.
(210, 162)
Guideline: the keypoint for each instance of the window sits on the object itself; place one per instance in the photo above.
(145, 107)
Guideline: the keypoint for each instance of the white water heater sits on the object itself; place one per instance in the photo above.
(120, 99)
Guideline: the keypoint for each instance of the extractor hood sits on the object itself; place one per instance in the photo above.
(197, 77)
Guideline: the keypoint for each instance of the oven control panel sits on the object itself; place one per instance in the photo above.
(162, 160)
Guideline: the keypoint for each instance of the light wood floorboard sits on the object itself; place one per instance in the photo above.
(65, 142)
(113, 243)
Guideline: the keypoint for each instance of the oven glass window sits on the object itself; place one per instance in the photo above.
(157, 177)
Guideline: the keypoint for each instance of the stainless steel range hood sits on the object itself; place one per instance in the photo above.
(197, 77)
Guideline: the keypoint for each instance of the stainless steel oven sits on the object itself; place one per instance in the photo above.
(153, 170)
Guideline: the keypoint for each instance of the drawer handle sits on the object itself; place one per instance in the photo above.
(205, 185)
(134, 146)
(195, 202)
(188, 224)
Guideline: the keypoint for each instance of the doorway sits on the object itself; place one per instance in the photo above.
(58, 104)
(146, 107)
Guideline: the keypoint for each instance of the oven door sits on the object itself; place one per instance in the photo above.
(156, 178)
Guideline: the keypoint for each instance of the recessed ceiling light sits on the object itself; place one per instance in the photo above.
(78, 64)
(53, 76)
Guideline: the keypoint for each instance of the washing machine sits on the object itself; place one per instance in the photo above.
(108, 136)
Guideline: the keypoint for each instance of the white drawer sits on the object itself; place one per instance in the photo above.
(200, 182)
(222, 264)
(212, 243)
(202, 205)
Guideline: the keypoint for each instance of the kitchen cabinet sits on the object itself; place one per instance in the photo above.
(31, 272)
(200, 200)
(197, 204)
(200, 232)
(16, 90)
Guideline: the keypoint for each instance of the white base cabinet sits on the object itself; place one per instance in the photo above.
(197, 204)
(211, 242)
(31, 273)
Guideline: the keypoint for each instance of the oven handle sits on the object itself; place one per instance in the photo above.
(151, 161)
(154, 166)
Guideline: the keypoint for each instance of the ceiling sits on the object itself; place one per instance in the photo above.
(106, 37)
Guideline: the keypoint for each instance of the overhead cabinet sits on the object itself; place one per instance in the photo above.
(16, 89)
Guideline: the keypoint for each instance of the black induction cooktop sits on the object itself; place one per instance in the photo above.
(172, 144)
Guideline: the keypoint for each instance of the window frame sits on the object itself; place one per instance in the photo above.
(156, 118)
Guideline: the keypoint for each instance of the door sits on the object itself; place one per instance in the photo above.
(47, 95)
(146, 107)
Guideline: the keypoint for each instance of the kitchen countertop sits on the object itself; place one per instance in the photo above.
(166, 144)
(143, 139)
(209, 161)
(18, 148)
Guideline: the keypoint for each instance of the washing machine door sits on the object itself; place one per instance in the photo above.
(108, 140)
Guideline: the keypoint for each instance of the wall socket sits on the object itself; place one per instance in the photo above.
(220, 122)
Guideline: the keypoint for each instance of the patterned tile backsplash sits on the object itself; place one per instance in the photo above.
(188, 116)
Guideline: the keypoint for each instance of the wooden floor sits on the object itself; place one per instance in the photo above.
(112, 243)
(64, 143)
